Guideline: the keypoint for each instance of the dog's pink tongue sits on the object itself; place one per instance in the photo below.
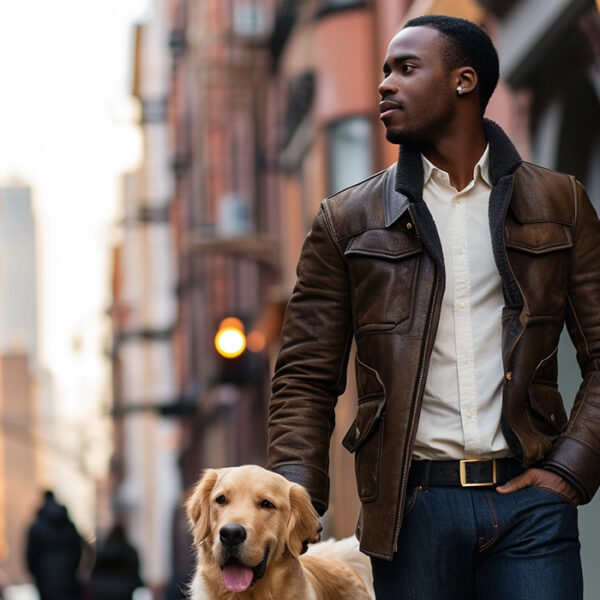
(237, 578)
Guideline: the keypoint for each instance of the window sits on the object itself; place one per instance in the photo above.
(350, 152)
(329, 6)
(333, 4)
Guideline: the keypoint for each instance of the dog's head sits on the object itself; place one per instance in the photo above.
(245, 518)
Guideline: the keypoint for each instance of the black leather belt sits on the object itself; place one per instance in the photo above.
(464, 473)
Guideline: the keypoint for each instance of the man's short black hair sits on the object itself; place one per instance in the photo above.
(468, 45)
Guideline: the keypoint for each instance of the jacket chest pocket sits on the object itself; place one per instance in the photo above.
(383, 264)
(538, 254)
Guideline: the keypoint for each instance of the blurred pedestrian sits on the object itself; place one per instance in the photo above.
(183, 554)
(115, 574)
(54, 550)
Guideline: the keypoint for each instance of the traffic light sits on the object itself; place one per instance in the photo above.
(230, 340)
(241, 357)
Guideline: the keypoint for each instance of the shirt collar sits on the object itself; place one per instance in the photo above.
(481, 169)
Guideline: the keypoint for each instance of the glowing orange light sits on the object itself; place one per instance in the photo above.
(256, 341)
(230, 340)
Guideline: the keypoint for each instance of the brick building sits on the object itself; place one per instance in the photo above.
(271, 106)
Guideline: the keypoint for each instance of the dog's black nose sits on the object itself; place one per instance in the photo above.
(232, 534)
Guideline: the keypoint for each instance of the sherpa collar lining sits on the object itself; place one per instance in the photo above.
(504, 159)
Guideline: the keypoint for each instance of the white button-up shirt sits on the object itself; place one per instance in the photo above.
(462, 402)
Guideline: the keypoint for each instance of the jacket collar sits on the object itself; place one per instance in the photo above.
(395, 203)
(408, 171)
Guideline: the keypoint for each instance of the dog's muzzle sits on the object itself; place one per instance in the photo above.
(236, 576)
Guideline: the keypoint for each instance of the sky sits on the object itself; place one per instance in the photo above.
(67, 129)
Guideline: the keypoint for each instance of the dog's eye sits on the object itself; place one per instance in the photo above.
(221, 500)
(267, 504)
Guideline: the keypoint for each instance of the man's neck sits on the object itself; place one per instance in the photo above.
(457, 154)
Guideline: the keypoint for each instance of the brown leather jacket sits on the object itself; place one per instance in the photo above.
(372, 269)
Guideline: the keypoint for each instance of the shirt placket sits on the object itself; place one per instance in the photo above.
(463, 326)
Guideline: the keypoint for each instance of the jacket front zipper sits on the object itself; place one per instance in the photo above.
(416, 407)
(503, 419)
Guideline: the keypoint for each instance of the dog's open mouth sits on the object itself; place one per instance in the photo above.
(238, 578)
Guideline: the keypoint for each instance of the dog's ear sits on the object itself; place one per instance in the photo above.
(198, 505)
(303, 525)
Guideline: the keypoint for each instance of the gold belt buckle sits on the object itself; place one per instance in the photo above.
(463, 473)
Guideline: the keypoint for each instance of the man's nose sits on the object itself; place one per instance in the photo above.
(387, 87)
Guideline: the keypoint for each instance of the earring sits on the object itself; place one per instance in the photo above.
(459, 90)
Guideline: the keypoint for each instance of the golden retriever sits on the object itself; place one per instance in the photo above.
(250, 526)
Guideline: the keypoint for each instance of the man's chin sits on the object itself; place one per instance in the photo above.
(398, 137)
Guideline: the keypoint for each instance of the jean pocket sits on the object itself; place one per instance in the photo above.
(556, 495)
(411, 500)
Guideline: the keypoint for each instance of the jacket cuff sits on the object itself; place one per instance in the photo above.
(315, 482)
(583, 499)
(578, 464)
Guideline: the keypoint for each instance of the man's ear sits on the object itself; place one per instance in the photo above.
(303, 525)
(466, 79)
(198, 505)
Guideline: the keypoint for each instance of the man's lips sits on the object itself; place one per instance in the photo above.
(386, 107)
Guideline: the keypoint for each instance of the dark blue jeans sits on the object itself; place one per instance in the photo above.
(473, 543)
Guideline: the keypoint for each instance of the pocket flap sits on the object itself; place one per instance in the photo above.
(391, 244)
(368, 414)
(538, 238)
(368, 382)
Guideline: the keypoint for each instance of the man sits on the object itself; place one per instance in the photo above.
(454, 271)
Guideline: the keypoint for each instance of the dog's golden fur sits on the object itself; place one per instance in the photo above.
(276, 518)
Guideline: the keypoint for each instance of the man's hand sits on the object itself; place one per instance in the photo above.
(544, 479)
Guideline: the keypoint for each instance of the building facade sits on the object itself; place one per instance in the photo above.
(145, 474)
(271, 105)
(19, 419)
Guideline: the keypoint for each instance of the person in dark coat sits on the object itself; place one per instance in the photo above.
(115, 574)
(183, 554)
(54, 550)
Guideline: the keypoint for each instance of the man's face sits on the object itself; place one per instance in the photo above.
(418, 94)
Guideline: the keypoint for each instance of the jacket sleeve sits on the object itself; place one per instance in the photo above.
(576, 454)
(310, 372)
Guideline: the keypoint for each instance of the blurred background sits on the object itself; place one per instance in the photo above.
(160, 164)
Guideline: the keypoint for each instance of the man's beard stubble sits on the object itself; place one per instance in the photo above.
(405, 137)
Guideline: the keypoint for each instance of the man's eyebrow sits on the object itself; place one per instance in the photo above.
(399, 58)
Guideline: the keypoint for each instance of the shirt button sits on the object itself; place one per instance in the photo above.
(465, 360)
(462, 304)
(509, 375)
(459, 251)
(458, 200)
(409, 225)
(468, 414)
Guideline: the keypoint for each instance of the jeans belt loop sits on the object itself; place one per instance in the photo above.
(427, 470)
